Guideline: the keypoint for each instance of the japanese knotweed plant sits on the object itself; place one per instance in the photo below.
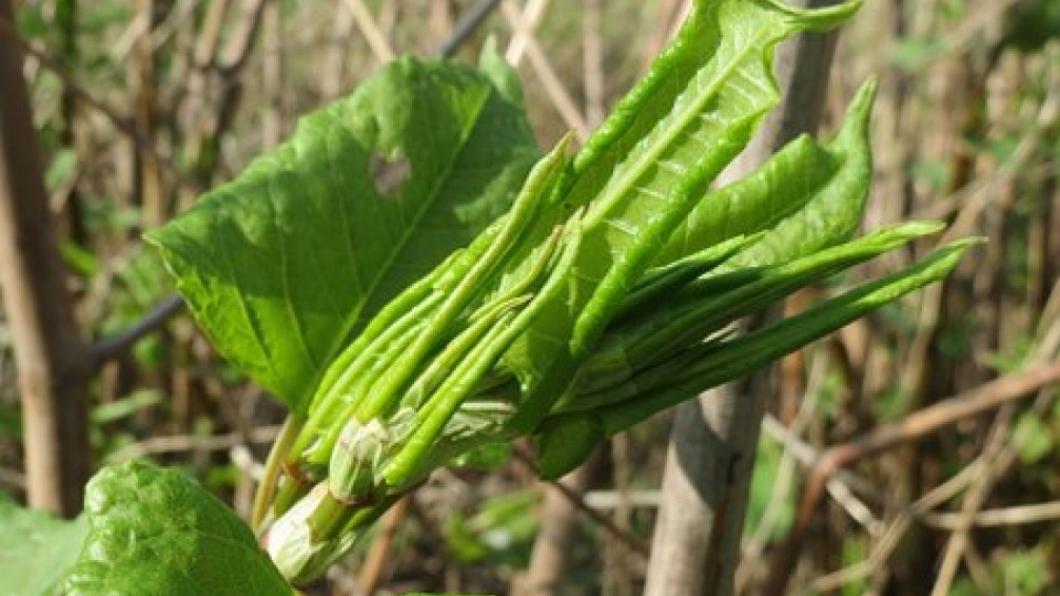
(421, 287)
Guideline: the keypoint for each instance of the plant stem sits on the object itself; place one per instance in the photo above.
(712, 447)
(53, 364)
(271, 475)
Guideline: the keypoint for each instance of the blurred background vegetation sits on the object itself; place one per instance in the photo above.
(142, 104)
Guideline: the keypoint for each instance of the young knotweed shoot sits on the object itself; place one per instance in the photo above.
(605, 289)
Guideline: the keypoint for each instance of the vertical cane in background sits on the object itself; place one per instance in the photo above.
(710, 460)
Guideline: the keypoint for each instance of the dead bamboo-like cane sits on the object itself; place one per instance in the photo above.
(915, 426)
(708, 468)
(272, 74)
(52, 362)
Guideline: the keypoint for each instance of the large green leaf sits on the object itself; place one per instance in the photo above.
(645, 170)
(36, 549)
(281, 265)
(155, 531)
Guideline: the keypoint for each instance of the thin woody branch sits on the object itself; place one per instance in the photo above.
(914, 427)
(116, 345)
(579, 503)
(122, 123)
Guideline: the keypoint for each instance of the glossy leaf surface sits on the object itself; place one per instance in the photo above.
(156, 531)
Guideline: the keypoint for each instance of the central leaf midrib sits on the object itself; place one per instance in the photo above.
(641, 164)
(649, 157)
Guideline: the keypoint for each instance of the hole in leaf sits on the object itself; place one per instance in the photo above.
(389, 174)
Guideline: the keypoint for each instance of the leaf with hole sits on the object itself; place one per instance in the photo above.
(281, 265)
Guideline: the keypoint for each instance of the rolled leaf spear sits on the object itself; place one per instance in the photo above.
(604, 295)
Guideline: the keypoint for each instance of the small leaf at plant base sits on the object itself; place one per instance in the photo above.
(156, 531)
(487, 457)
(36, 549)
(564, 442)
(281, 265)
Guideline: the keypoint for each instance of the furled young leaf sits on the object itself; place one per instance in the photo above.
(647, 167)
(712, 363)
(555, 300)
(155, 531)
(283, 264)
(777, 189)
(653, 342)
(36, 549)
(833, 213)
(729, 360)
(807, 197)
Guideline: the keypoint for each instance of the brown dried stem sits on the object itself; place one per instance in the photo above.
(914, 427)
(50, 357)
